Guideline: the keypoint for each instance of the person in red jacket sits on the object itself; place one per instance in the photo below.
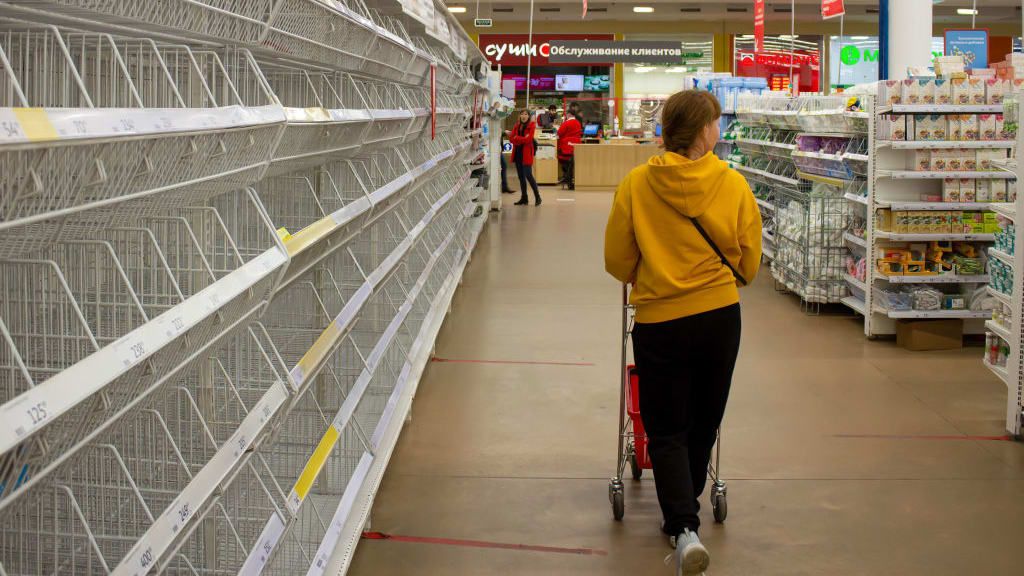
(523, 150)
(569, 134)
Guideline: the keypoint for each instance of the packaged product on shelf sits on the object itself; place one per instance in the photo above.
(894, 127)
(977, 87)
(954, 302)
(890, 91)
(940, 160)
(967, 191)
(901, 222)
(951, 190)
(1001, 133)
(942, 92)
(926, 298)
(939, 126)
(969, 125)
(991, 222)
(927, 88)
(911, 93)
(970, 160)
(985, 158)
(954, 160)
(1011, 190)
(923, 160)
(987, 127)
(961, 91)
(995, 90)
(999, 190)
(918, 126)
(884, 220)
(983, 191)
(954, 130)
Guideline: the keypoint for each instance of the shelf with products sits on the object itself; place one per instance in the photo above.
(941, 109)
(945, 144)
(934, 175)
(856, 304)
(1005, 209)
(934, 279)
(854, 239)
(932, 314)
(998, 329)
(1000, 255)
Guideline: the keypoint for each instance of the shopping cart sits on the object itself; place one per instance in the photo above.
(633, 438)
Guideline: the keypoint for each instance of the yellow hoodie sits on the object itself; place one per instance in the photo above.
(650, 240)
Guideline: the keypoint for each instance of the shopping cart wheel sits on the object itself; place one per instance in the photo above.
(719, 503)
(634, 466)
(618, 499)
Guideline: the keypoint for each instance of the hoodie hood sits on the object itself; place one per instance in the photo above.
(689, 186)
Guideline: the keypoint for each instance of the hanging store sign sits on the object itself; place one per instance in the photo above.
(758, 25)
(483, 23)
(600, 51)
(832, 8)
(512, 49)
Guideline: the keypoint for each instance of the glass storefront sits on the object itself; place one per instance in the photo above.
(646, 86)
(774, 63)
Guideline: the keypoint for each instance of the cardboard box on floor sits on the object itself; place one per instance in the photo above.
(922, 335)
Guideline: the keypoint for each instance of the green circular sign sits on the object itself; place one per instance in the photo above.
(850, 55)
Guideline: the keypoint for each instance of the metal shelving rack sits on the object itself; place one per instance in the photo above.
(807, 211)
(896, 187)
(229, 235)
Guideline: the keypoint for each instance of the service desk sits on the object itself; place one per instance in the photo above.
(605, 165)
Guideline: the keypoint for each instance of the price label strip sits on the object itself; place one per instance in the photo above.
(42, 404)
(165, 529)
(341, 514)
(260, 553)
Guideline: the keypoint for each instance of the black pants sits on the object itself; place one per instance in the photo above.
(685, 368)
(504, 174)
(526, 174)
(569, 172)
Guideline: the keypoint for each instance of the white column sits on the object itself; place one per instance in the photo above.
(910, 36)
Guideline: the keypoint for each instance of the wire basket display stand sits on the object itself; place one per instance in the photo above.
(228, 236)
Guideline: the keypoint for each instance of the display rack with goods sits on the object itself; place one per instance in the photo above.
(234, 242)
(935, 180)
(1004, 333)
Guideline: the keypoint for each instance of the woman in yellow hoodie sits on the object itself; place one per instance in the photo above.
(686, 232)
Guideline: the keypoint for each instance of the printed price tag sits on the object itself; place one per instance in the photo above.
(261, 552)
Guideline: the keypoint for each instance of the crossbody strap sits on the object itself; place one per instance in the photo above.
(707, 238)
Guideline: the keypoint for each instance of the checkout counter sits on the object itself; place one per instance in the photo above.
(604, 165)
(600, 164)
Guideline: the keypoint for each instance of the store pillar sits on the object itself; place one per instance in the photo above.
(908, 35)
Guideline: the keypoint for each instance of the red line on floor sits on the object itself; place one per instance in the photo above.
(483, 544)
(1004, 438)
(521, 362)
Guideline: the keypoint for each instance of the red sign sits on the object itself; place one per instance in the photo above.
(758, 25)
(832, 8)
(512, 49)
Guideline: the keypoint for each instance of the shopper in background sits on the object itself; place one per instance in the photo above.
(685, 231)
(505, 189)
(523, 149)
(546, 118)
(570, 133)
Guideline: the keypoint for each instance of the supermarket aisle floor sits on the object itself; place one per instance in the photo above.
(824, 475)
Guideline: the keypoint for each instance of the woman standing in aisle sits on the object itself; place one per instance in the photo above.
(686, 232)
(523, 149)
(570, 133)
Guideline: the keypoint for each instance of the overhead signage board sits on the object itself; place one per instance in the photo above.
(483, 23)
(971, 44)
(832, 8)
(600, 51)
(512, 49)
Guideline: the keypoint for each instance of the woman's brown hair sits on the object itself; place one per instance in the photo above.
(685, 116)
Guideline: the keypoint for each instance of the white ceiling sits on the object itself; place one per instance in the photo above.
(1007, 11)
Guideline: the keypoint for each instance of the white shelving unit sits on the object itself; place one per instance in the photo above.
(1010, 330)
(219, 296)
(896, 187)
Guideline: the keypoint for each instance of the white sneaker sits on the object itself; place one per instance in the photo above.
(690, 555)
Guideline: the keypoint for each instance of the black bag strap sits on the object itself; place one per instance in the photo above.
(707, 238)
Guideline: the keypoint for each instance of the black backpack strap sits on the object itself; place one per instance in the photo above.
(707, 238)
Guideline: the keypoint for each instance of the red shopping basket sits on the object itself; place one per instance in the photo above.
(639, 460)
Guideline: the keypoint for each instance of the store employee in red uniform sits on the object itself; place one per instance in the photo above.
(569, 134)
(523, 149)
